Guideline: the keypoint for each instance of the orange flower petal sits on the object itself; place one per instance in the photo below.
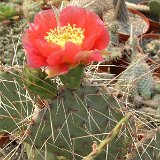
(35, 61)
(70, 15)
(46, 48)
(57, 70)
(59, 59)
(88, 56)
(44, 21)
(88, 21)
(71, 50)
(102, 39)
(56, 58)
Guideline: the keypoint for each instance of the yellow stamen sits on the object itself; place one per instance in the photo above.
(61, 35)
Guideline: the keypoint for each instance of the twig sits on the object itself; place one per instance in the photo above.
(108, 139)
(144, 140)
(143, 8)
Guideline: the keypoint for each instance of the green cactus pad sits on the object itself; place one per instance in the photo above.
(71, 124)
(15, 103)
(35, 80)
(72, 79)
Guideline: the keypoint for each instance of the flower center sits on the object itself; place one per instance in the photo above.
(61, 35)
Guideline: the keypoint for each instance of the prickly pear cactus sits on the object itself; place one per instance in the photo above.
(74, 120)
(15, 103)
(68, 117)
(66, 126)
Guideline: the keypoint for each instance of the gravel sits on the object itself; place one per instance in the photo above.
(13, 151)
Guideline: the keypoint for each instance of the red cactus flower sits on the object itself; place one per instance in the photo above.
(59, 45)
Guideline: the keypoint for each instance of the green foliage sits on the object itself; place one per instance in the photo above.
(113, 32)
(11, 50)
(115, 53)
(7, 11)
(152, 49)
(154, 6)
(158, 88)
(16, 1)
(30, 8)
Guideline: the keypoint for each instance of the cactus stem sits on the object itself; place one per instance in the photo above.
(96, 151)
